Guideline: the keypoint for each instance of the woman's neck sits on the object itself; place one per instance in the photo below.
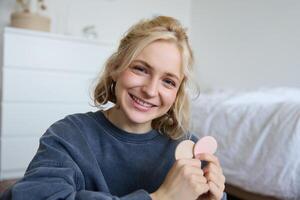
(117, 117)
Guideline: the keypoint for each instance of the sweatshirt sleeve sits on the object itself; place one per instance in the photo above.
(224, 196)
(56, 171)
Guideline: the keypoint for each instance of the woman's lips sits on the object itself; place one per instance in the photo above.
(141, 104)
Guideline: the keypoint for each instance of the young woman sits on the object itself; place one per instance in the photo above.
(127, 152)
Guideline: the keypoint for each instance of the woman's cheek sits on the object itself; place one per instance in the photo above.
(131, 79)
(170, 96)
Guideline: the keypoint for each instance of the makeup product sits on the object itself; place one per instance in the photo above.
(188, 149)
(207, 144)
(184, 149)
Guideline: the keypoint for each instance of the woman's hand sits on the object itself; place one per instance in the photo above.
(214, 175)
(185, 181)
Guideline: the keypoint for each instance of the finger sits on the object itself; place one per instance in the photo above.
(201, 179)
(218, 179)
(208, 157)
(191, 162)
(196, 179)
(216, 191)
(211, 167)
(187, 171)
(193, 174)
(201, 188)
(197, 170)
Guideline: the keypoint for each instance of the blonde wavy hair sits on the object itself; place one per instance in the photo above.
(175, 123)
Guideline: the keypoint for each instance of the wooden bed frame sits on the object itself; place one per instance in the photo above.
(6, 184)
(245, 195)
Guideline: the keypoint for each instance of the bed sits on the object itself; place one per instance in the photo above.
(258, 134)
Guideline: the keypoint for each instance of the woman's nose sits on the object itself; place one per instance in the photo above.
(151, 88)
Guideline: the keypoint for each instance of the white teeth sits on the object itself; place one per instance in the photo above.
(141, 102)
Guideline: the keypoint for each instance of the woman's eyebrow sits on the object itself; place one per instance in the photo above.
(144, 63)
(149, 66)
(173, 76)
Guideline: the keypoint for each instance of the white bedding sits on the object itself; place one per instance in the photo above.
(258, 134)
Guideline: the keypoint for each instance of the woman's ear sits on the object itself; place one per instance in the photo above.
(114, 76)
(113, 68)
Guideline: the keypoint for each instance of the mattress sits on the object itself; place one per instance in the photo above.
(258, 134)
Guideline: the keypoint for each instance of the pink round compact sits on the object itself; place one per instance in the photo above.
(184, 149)
(207, 144)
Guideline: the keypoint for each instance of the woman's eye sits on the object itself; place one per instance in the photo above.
(140, 69)
(170, 82)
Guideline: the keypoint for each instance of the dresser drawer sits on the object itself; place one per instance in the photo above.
(16, 153)
(29, 49)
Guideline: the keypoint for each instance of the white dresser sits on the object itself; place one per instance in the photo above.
(44, 78)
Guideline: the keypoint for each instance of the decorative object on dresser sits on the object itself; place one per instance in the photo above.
(26, 18)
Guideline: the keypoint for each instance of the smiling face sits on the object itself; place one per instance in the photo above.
(147, 88)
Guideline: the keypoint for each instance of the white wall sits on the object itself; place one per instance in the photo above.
(111, 18)
(247, 44)
(237, 44)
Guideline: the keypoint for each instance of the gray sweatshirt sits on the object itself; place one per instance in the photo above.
(84, 156)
